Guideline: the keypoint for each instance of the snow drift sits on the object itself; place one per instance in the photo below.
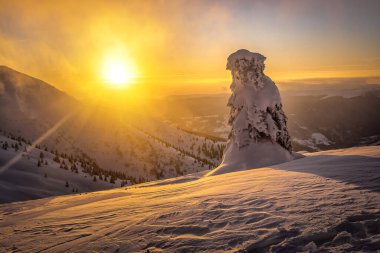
(259, 135)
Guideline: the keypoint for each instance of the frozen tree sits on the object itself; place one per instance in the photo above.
(259, 135)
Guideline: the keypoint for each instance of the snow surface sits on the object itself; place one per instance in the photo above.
(328, 200)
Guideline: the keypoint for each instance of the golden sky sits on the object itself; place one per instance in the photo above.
(181, 46)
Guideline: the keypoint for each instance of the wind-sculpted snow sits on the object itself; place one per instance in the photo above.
(259, 135)
(327, 201)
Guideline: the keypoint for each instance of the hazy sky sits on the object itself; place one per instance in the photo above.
(182, 46)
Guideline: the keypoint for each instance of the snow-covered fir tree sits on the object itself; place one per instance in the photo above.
(259, 135)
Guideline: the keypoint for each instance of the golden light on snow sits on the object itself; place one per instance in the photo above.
(118, 72)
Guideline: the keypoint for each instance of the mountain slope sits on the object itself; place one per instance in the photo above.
(38, 174)
(29, 106)
(326, 201)
(139, 148)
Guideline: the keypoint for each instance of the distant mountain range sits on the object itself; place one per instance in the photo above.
(319, 118)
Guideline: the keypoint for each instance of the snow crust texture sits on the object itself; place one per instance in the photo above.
(326, 202)
(259, 135)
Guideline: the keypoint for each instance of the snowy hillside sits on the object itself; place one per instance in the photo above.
(326, 201)
(141, 148)
(128, 154)
(38, 173)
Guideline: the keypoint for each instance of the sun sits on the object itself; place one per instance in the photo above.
(118, 72)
